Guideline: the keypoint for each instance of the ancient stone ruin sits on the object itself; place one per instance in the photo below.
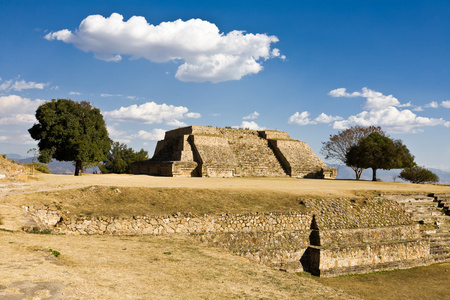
(198, 151)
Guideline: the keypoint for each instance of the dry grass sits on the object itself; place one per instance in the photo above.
(132, 201)
(148, 267)
(429, 282)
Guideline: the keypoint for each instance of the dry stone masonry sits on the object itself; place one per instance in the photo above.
(200, 151)
(12, 171)
(331, 237)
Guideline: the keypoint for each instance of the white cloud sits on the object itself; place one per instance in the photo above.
(118, 135)
(418, 108)
(303, 119)
(10, 105)
(152, 113)
(16, 119)
(445, 104)
(249, 125)
(206, 53)
(253, 116)
(17, 139)
(374, 100)
(381, 110)
(341, 92)
(110, 95)
(323, 118)
(155, 135)
(74, 93)
(21, 85)
(432, 104)
(300, 118)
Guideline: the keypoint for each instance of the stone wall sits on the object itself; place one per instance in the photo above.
(348, 213)
(363, 258)
(228, 152)
(12, 171)
(334, 236)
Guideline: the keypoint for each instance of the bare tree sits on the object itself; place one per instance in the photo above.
(339, 144)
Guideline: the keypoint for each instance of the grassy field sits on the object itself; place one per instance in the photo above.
(180, 267)
(431, 282)
(135, 201)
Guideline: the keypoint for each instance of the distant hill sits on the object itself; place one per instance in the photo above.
(56, 167)
(344, 172)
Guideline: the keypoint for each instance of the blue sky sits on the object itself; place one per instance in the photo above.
(310, 68)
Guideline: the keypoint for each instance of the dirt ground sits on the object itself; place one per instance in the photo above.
(155, 267)
(313, 187)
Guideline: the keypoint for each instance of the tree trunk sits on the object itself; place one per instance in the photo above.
(78, 168)
(374, 174)
(358, 172)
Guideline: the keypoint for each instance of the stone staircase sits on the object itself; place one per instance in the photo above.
(443, 201)
(255, 157)
(430, 213)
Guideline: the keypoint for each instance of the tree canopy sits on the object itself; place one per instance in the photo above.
(417, 174)
(379, 152)
(70, 131)
(339, 144)
(120, 158)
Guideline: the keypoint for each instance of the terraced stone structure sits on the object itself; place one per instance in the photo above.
(198, 151)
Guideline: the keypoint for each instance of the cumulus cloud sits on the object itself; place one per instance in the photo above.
(253, 116)
(445, 104)
(303, 119)
(155, 135)
(250, 125)
(375, 100)
(342, 92)
(382, 110)
(118, 135)
(17, 139)
(19, 85)
(152, 113)
(206, 54)
(300, 118)
(432, 104)
(10, 105)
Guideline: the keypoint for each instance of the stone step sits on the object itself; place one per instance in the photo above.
(440, 242)
(415, 200)
(441, 258)
(421, 208)
(432, 212)
(435, 250)
(435, 216)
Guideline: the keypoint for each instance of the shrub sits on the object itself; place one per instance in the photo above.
(43, 168)
(418, 174)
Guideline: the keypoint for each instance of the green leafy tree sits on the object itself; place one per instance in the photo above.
(377, 151)
(339, 144)
(70, 131)
(417, 174)
(120, 158)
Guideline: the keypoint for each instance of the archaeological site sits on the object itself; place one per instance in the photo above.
(198, 151)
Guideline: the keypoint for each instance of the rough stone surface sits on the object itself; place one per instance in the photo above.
(334, 237)
(12, 171)
(226, 152)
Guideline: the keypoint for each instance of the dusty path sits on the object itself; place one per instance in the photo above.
(314, 187)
